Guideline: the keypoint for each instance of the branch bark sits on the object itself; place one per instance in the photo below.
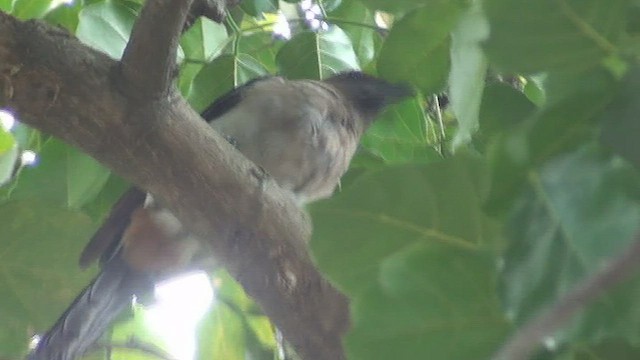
(56, 84)
(528, 338)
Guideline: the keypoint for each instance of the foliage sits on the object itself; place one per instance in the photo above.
(509, 177)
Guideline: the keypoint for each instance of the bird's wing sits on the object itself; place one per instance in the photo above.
(229, 100)
(106, 239)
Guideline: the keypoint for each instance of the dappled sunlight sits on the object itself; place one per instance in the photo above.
(7, 120)
(181, 303)
(28, 158)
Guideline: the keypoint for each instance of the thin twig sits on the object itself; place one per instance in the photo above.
(526, 340)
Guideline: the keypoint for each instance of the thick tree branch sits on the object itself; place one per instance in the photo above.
(528, 338)
(256, 231)
(149, 59)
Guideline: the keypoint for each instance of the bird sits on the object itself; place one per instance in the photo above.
(302, 132)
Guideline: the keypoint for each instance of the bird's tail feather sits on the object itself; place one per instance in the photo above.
(92, 312)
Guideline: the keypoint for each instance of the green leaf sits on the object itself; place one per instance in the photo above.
(317, 55)
(221, 334)
(468, 69)
(417, 48)
(257, 7)
(575, 214)
(263, 47)
(502, 109)
(66, 16)
(431, 302)
(8, 155)
(383, 212)
(220, 76)
(576, 100)
(531, 36)
(85, 178)
(620, 125)
(106, 26)
(30, 9)
(606, 349)
(412, 249)
(364, 38)
(63, 176)
(40, 246)
(204, 40)
(400, 135)
(396, 6)
(100, 206)
(6, 6)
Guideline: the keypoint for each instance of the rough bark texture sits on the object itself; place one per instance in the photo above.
(140, 127)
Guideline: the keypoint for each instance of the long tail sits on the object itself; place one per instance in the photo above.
(92, 312)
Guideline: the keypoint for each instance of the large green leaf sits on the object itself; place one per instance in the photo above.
(529, 36)
(568, 119)
(576, 212)
(383, 212)
(40, 244)
(63, 176)
(6, 5)
(400, 135)
(431, 302)
(502, 109)
(417, 48)
(413, 250)
(106, 26)
(204, 40)
(263, 47)
(317, 55)
(66, 16)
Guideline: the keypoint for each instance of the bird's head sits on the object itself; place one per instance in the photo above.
(367, 94)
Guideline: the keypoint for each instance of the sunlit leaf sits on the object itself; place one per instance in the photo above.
(66, 16)
(8, 155)
(363, 35)
(317, 55)
(30, 9)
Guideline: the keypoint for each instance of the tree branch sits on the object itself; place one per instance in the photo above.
(526, 340)
(149, 60)
(56, 84)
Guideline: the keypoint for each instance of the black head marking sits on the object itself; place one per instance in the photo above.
(369, 95)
